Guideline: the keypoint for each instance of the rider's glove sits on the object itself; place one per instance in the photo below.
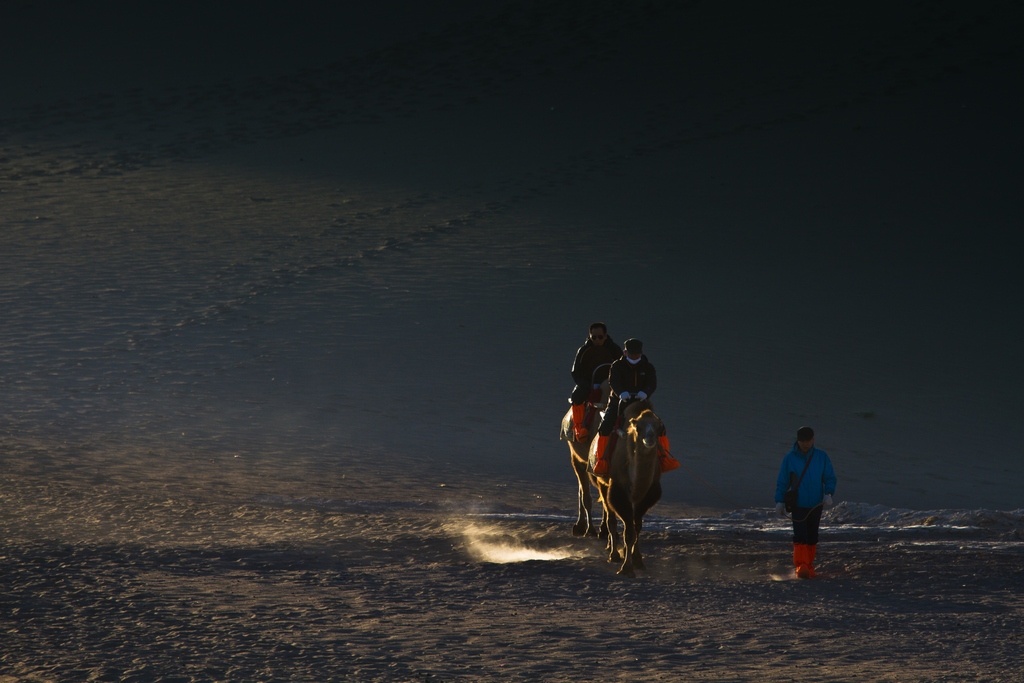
(781, 509)
(641, 395)
(624, 396)
(827, 503)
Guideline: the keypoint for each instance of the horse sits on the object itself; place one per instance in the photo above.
(578, 452)
(633, 484)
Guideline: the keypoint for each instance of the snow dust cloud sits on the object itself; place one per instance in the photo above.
(498, 545)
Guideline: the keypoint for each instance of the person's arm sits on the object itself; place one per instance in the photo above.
(577, 367)
(829, 477)
(615, 378)
(652, 380)
(782, 483)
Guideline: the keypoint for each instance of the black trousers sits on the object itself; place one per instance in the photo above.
(805, 524)
(611, 415)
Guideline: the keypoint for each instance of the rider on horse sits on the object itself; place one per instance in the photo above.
(589, 370)
(632, 378)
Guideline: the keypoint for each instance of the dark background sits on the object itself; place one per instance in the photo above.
(822, 201)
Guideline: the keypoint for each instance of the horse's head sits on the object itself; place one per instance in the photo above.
(644, 430)
(642, 457)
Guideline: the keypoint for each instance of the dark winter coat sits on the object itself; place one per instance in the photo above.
(633, 378)
(589, 357)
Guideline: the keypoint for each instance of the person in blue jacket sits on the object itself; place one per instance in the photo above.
(814, 494)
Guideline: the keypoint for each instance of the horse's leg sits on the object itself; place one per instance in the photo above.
(635, 554)
(608, 524)
(623, 508)
(612, 544)
(607, 527)
(588, 503)
(583, 518)
(603, 531)
(652, 497)
(586, 481)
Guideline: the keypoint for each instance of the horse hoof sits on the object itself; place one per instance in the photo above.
(592, 534)
(627, 572)
(579, 530)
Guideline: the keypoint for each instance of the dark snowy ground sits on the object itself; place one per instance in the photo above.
(112, 584)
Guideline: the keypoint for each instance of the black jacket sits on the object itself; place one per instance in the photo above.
(589, 357)
(633, 378)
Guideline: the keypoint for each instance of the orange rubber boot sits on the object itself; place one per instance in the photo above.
(578, 430)
(668, 463)
(812, 550)
(601, 465)
(802, 555)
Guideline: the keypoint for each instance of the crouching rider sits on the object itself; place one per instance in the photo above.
(589, 370)
(632, 378)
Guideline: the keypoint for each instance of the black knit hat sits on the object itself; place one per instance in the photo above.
(633, 346)
(804, 434)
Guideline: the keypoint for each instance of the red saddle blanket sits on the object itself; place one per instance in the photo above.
(609, 447)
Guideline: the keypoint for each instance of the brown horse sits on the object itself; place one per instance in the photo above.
(578, 451)
(633, 484)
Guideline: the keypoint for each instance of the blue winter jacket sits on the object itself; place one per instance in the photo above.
(819, 480)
